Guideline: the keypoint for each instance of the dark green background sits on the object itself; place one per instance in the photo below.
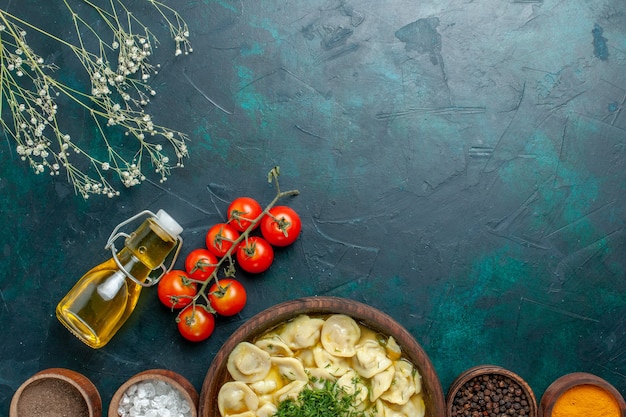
(461, 167)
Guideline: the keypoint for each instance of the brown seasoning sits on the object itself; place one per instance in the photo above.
(52, 397)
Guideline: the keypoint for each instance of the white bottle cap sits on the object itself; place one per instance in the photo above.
(168, 223)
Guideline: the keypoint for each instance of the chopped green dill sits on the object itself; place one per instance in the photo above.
(329, 401)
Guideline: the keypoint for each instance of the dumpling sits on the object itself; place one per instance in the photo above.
(248, 363)
(275, 346)
(351, 384)
(381, 383)
(333, 364)
(273, 381)
(406, 382)
(370, 359)
(318, 377)
(236, 397)
(339, 335)
(413, 408)
(291, 391)
(306, 357)
(302, 332)
(266, 410)
(384, 409)
(264, 386)
(290, 368)
(393, 349)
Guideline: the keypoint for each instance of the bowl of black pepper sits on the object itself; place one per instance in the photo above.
(490, 391)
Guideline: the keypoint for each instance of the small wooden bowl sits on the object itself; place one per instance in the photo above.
(477, 372)
(370, 317)
(564, 383)
(54, 391)
(174, 379)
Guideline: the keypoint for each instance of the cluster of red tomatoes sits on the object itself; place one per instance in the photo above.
(234, 242)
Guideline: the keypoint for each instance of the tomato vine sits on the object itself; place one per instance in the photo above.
(209, 285)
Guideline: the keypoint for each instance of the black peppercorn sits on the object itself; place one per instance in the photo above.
(490, 396)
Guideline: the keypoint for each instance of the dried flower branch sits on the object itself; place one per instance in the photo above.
(119, 72)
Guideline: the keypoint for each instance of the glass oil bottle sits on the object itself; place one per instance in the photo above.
(103, 299)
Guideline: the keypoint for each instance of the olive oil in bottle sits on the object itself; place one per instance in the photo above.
(103, 299)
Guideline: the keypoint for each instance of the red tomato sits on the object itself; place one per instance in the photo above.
(200, 264)
(255, 255)
(281, 226)
(220, 238)
(229, 298)
(175, 290)
(242, 211)
(195, 323)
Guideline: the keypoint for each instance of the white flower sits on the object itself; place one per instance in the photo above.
(35, 112)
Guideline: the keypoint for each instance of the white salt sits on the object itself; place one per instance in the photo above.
(153, 398)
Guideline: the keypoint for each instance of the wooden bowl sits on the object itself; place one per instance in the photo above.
(366, 315)
(481, 373)
(175, 380)
(566, 382)
(54, 392)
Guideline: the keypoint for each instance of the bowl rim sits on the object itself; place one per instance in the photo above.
(573, 379)
(487, 369)
(320, 305)
(88, 391)
(175, 379)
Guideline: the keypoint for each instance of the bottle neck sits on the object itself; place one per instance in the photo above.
(150, 244)
(132, 265)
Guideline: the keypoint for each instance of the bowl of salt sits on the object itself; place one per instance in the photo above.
(155, 392)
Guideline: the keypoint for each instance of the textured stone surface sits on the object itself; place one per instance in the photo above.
(461, 167)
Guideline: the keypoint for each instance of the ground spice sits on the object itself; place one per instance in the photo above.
(586, 401)
(51, 397)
